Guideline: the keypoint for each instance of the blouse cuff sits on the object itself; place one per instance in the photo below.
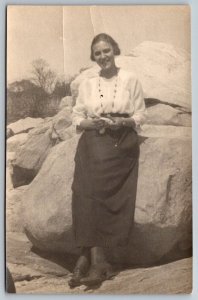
(139, 119)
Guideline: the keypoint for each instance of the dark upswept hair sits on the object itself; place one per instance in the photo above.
(105, 38)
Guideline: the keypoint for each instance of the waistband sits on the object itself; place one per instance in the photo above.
(114, 115)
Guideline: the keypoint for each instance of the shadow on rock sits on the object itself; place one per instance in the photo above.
(66, 261)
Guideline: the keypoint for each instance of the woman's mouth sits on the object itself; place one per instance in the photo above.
(104, 63)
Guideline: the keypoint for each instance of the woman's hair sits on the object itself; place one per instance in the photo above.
(105, 38)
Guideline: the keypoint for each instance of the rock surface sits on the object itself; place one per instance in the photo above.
(163, 71)
(46, 273)
(66, 102)
(13, 143)
(42, 273)
(52, 196)
(31, 155)
(14, 220)
(163, 207)
(61, 122)
(9, 133)
(165, 131)
(161, 114)
(24, 125)
(10, 156)
(163, 216)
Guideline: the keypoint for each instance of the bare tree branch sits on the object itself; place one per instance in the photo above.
(43, 76)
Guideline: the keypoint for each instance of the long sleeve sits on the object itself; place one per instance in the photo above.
(139, 115)
(79, 110)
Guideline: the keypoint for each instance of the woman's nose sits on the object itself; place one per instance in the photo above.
(102, 55)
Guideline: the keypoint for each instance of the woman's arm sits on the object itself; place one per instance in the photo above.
(137, 95)
(95, 123)
(79, 110)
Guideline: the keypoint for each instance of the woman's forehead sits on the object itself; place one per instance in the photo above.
(101, 45)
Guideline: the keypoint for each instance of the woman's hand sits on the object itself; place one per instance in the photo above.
(119, 122)
(116, 123)
(95, 123)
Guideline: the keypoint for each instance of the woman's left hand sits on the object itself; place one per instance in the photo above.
(116, 124)
(122, 122)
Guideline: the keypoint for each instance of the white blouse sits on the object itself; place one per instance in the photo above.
(120, 94)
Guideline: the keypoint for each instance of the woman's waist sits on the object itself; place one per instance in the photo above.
(111, 114)
(122, 115)
(110, 131)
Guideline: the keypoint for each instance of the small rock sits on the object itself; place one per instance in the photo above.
(14, 142)
(24, 125)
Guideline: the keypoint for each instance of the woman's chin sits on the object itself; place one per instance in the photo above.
(106, 68)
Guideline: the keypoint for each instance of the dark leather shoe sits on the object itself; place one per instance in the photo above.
(97, 274)
(79, 272)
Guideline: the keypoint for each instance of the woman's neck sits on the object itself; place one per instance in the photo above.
(109, 72)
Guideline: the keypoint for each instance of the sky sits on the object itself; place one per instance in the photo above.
(62, 34)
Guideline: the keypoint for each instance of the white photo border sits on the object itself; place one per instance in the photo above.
(194, 50)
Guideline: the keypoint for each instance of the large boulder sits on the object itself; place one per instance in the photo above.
(24, 125)
(163, 71)
(161, 114)
(163, 206)
(31, 155)
(50, 228)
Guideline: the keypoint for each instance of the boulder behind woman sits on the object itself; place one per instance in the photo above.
(163, 206)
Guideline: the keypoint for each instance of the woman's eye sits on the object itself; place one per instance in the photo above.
(97, 53)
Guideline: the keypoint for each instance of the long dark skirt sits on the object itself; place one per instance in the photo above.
(104, 187)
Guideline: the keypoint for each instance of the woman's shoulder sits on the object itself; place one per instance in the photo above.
(128, 75)
(90, 79)
(86, 81)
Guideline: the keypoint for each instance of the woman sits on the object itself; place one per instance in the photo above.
(109, 108)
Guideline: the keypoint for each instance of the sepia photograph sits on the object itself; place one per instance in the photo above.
(98, 150)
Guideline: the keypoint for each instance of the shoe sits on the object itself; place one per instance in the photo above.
(97, 274)
(80, 271)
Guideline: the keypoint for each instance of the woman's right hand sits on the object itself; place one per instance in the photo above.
(92, 124)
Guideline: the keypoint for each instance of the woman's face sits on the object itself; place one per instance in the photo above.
(103, 55)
